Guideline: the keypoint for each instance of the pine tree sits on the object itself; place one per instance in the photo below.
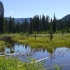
(13, 26)
(31, 26)
(40, 24)
(54, 24)
(5, 25)
(26, 25)
(43, 23)
(51, 31)
(47, 23)
(10, 25)
(1, 17)
(18, 27)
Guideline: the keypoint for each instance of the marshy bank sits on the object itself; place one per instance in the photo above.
(43, 40)
(40, 48)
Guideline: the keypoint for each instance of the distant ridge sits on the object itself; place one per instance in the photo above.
(19, 19)
(67, 18)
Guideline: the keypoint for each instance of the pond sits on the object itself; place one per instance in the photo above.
(60, 56)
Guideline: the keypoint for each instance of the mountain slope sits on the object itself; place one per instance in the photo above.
(67, 18)
(19, 19)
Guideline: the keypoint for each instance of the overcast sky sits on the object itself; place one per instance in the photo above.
(29, 8)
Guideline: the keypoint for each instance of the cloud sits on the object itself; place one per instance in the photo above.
(11, 12)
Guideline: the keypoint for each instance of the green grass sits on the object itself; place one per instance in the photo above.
(8, 45)
(58, 67)
(2, 45)
(10, 64)
(43, 40)
(11, 51)
(16, 64)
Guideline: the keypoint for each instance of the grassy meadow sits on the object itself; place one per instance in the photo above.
(43, 40)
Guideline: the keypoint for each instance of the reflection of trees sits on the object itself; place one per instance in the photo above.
(9, 41)
(50, 50)
(26, 47)
(43, 50)
(37, 50)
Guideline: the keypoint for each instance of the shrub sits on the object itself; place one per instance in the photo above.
(11, 51)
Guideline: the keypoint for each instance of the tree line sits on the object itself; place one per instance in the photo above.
(37, 24)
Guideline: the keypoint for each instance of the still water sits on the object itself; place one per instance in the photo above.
(60, 56)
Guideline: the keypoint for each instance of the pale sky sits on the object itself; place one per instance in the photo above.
(30, 8)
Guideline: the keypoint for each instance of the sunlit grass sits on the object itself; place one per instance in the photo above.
(43, 40)
(2, 45)
(9, 63)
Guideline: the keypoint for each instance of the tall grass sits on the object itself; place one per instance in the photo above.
(2, 45)
(43, 40)
(16, 64)
(58, 67)
(10, 64)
